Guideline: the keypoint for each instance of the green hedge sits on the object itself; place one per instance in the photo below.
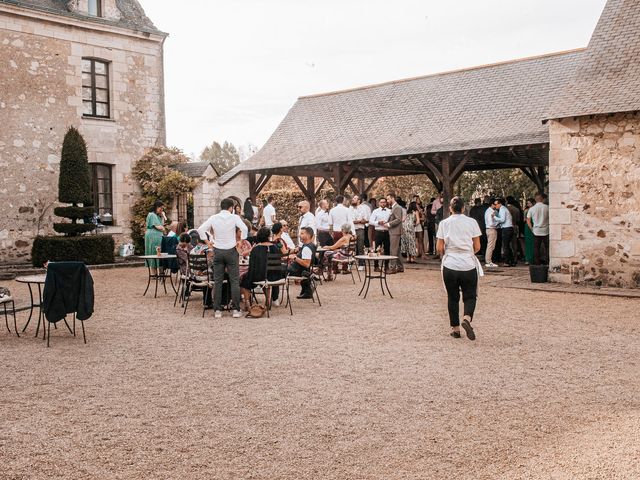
(90, 249)
(73, 212)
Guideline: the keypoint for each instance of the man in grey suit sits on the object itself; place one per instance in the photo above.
(395, 232)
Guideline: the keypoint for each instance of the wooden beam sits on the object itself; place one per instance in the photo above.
(371, 185)
(354, 189)
(303, 189)
(459, 169)
(262, 182)
(319, 187)
(331, 182)
(432, 167)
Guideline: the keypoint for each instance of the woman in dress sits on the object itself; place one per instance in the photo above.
(258, 268)
(418, 228)
(528, 235)
(154, 232)
(408, 238)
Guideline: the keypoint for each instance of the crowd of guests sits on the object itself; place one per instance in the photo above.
(493, 229)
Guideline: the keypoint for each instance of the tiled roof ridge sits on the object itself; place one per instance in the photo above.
(447, 72)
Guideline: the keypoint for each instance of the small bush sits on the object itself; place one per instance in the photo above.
(75, 213)
(92, 249)
(73, 229)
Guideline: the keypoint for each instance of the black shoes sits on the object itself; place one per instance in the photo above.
(455, 334)
(468, 329)
(304, 296)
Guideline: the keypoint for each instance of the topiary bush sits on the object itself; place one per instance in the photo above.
(92, 249)
(74, 185)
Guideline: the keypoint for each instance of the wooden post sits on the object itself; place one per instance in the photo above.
(447, 184)
(253, 194)
(360, 184)
(311, 189)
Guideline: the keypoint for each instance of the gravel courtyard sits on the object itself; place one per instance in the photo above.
(356, 389)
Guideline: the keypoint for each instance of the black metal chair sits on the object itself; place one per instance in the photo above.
(198, 279)
(273, 269)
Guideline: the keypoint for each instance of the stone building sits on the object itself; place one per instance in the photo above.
(594, 163)
(93, 64)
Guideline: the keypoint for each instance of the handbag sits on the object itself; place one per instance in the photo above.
(256, 310)
(4, 292)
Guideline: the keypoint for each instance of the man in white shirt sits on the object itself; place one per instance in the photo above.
(379, 220)
(339, 216)
(361, 213)
(505, 222)
(491, 226)
(538, 221)
(458, 242)
(223, 228)
(307, 219)
(322, 224)
(269, 214)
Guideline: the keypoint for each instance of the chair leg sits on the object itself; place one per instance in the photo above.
(84, 336)
(315, 289)
(289, 300)
(267, 300)
(188, 295)
(15, 323)
(6, 318)
(48, 328)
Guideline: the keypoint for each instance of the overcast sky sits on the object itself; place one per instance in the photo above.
(233, 68)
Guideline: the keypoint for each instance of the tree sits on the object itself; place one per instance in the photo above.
(74, 186)
(223, 158)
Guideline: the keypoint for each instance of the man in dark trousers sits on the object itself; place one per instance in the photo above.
(477, 213)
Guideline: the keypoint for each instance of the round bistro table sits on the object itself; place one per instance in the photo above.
(161, 274)
(33, 281)
(371, 274)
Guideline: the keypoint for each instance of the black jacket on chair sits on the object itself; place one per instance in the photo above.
(68, 289)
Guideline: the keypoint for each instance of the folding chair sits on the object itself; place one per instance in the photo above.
(198, 279)
(312, 284)
(348, 262)
(4, 301)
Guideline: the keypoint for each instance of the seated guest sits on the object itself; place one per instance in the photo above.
(276, 238)
(182, 252)
(258, 267)
(286, 238)
(173, 229)
(301, 262)
(243, 246)
(251, 237)
(338, 251)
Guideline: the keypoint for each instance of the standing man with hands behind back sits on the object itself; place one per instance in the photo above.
(223, 225)
(395, 233)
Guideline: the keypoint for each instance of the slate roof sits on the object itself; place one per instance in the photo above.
(482, 107)
(133, 15)
(194, 169)
(608, 78)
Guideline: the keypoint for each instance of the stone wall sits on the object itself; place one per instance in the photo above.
(594, 186)
(41, 97)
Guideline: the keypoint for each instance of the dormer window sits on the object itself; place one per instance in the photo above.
(95, 8)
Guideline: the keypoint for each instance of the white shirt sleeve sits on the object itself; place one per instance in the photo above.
(306, 253)
(440, 233)
(205, 228)
(373, 218)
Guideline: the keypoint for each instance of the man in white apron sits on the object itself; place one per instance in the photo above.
(458, 242)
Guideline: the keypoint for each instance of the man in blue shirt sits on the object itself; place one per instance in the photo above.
(504, 220)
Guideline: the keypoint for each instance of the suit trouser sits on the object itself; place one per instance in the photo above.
(394, 240)
(492, 238)
(431, 237)
(226, 260)
(360, 234)
(507, 236)
(382, 238)
(538, 242)
(456, 281)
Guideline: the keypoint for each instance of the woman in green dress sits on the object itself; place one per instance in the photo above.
(528, 235)
(153, 234)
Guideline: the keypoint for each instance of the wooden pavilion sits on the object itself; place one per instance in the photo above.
(481, 118)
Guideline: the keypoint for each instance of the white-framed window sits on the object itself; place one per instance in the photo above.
(95, 8)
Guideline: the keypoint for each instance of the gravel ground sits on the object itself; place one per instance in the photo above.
(356, 389)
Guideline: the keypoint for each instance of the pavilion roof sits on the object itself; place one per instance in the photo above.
(607, 80)
(476, 108)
